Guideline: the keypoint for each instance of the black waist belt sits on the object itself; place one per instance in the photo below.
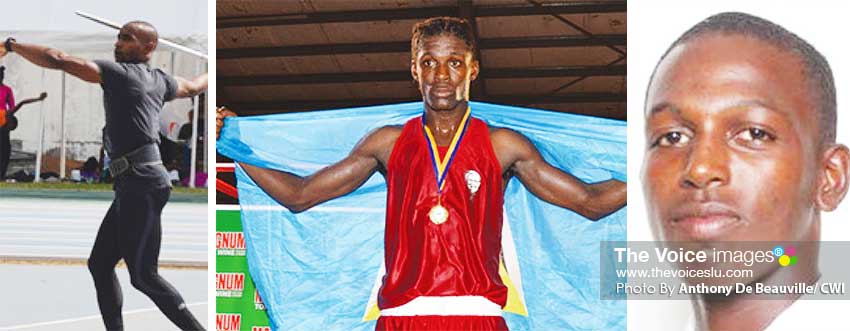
(144, 155)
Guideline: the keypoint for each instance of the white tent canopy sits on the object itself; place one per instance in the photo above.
(172, 18)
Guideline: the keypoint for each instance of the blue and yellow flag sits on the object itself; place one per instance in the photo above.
(318, 270)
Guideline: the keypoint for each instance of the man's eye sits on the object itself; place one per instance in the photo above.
(428, 63)
(454, 63)
(755, 134)
(672, 138)
(754, 137)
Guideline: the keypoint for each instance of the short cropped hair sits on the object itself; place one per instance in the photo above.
(816, 69)
(153, 33)
(439, 26)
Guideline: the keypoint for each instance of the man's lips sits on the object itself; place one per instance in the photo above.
(442, 91)
(704, 221)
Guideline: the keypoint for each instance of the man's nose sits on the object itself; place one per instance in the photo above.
(707, 164)
(442, 71)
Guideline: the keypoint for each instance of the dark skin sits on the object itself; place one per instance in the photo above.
(735, 155)
(443, 67)
(135, 44)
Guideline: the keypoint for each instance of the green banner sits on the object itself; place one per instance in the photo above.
(238, 306)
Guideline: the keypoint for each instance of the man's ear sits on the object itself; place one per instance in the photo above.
(833, 177)
(150, 46)
(413, 71)
(474, 71)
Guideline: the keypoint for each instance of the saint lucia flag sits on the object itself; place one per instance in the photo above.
(318, 270)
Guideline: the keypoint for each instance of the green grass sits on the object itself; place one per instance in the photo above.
(84, 187)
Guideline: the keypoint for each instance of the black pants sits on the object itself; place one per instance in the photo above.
(131, 230)
(5, 152)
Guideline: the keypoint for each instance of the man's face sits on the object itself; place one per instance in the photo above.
(130, 47)
(444, 68)
(732, 139)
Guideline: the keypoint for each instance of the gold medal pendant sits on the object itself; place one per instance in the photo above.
(438, 214)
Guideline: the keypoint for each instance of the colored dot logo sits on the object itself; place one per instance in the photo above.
(787, 256)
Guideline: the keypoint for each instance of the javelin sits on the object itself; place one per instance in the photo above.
(161, 40)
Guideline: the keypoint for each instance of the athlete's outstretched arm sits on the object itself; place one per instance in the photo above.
(189, 88)
(519, 156)
(300, 193)
(55, 59)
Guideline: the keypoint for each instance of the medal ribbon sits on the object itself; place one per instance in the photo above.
(441, 166)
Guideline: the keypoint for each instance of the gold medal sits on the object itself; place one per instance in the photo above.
(438, 214)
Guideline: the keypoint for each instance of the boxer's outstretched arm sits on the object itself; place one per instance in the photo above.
(521, 158)
(300, 193)
(55, 59)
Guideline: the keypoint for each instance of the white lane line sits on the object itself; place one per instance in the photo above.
(179, 228)
(196, 241)
(54, 235)
(41, 220)
(165, 249)
(12, 234)
(162, 259)
(83, 318)
(62, 209)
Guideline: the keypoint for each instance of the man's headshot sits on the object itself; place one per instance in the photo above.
(740, 146)
(740, 129)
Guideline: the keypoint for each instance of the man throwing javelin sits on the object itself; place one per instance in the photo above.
(133, 97)
(443, 238)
